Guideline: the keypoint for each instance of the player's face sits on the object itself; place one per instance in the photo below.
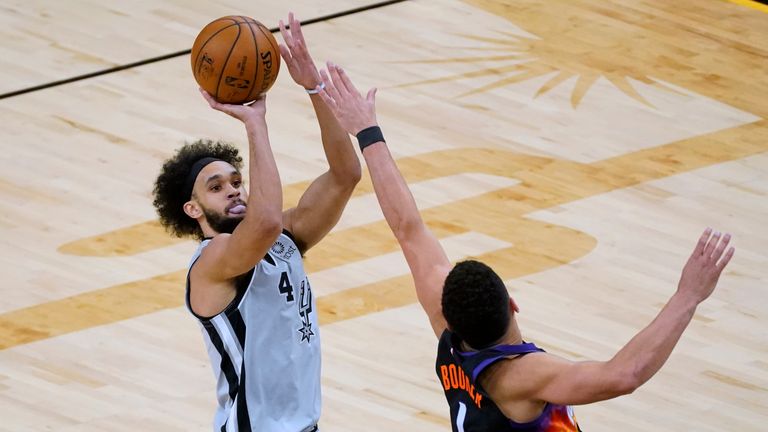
(221, 195)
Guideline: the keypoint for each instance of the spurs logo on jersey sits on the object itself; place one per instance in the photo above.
(305, 300)
(305, 308)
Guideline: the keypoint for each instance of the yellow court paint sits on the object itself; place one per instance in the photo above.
(546, 183)
(753, 4)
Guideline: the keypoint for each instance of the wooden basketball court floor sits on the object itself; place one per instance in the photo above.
(578, 146)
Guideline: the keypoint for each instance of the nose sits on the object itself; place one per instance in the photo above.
(233, 192)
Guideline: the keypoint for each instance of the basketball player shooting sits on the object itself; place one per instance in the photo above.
(246, 282)
(493, 381)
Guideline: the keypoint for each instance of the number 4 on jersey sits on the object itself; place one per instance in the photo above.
(286, 287)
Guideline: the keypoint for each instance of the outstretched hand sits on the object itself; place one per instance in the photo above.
(296, 55)
(353, 112)
(245, 113)
(703, 269)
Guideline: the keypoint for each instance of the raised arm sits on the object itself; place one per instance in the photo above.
(320, 207)
(230, 255)
(555, 380)
(425, 256)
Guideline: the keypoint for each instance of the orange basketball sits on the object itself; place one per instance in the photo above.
(235, 59)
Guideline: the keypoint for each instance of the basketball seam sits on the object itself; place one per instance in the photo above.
(200, 51)
(231, 48)
(267, 37)
(256, 70)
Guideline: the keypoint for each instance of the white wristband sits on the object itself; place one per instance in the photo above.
(317, 89)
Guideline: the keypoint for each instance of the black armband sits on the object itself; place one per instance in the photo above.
(369, 136)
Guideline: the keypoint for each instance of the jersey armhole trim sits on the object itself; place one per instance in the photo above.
(299, 245)
(290, 236)
(234, 304)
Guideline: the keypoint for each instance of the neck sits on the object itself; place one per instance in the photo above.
(209, 232)
(511, 337)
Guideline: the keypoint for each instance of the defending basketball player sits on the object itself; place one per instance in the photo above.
(492, 380)
(246, 282)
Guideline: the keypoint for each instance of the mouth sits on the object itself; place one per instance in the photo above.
(236, 208)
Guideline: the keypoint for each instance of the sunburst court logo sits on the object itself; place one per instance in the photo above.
(563, 50)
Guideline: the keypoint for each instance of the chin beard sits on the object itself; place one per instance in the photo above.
(221, 224)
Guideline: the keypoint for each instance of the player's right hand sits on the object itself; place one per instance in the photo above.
(255, 111)
(703, 269)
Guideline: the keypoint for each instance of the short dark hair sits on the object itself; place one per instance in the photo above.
(476, 303)
(168, 193)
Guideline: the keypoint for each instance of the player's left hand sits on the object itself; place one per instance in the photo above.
(703, 269)
(296, 55)
(353, 111)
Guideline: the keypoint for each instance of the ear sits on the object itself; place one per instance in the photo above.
(193, 210)
(513, 306)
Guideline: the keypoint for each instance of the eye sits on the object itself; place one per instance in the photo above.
(236, 183)
(215, 188)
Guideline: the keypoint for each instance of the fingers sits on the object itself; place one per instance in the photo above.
(371, 96)
(328, 100)
(710, 247)
(292, 35)
(296, 28)
(211, 101)
(346, 83)
(232, 110)
(718, 252)
(699, 249)
(726, 259)
(333, 72)
(330, 86)
(284, 32)
(715, 248)
(295, 52)
(285, 53)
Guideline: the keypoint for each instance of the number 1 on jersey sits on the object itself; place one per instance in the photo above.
(286, 287)
(460, 416)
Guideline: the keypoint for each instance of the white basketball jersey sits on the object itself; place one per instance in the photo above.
(265, 347)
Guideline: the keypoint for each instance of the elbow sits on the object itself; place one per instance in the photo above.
(622, 379)
(350, 177)
(628, 386)
(627, 383)
(355, 175)
(271, 226)
(405, 228)
(345, 180)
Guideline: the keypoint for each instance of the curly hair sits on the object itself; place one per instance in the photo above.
(476, 303)
(168, 196)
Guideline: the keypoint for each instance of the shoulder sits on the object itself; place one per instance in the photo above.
(210, 256)
(211, 243)
(208, 252)
(445, 345)
(517, 377)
